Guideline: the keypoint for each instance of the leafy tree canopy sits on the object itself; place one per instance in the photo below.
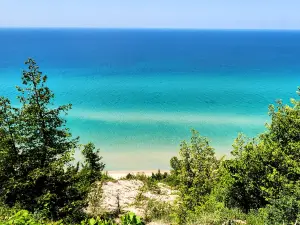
(266, 170)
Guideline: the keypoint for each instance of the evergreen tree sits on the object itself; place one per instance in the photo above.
(36, 148)
(92, 165)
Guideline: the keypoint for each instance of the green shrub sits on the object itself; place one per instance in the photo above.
(285, 209)
(106, 177)
(131, 219)
(23, 217)
(149, 183)
(159, 176)
(97, 221)
(162, 211)
(154, 178)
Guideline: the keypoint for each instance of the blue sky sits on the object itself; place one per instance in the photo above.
(203, 14)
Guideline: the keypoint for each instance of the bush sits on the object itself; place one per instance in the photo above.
(23, 217)
(162, 211)
(285, 209)
(131, 219)
(97, 221)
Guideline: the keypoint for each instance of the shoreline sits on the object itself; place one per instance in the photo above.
(117, 174)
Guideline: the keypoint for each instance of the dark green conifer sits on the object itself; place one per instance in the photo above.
(36, 153)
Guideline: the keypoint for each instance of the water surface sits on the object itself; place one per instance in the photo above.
(137, 93)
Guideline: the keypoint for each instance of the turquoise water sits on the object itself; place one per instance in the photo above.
(137, 93)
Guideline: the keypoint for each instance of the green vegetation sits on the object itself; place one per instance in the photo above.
(37, 172)
(159, 211)
(150, 182)
(196, 173)
(131, 219)
(40, 183)
(259, 184)
(23, 217)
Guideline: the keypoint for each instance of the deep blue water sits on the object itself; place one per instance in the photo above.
(137, 93)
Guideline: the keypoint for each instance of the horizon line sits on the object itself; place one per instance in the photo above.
(151, 28)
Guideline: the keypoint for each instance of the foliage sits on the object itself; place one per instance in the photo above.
(285, 209)
(131, 219)
(150, 182)
(245, 171)
(259, 184)
(106, 177)
(173, 178)
(138, 176)
(159, 176)
(166, 178)
(23, 217)
(40, 183)
(36, 153)
(266, 169)
(215, 212)
(196, 172)
(95, 200)
(97, 221)
(92, 167)
(157, 210)
(20, 218)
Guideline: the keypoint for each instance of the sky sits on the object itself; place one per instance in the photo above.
(186, 14)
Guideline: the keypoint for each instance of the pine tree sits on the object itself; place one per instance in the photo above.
(36, 165)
